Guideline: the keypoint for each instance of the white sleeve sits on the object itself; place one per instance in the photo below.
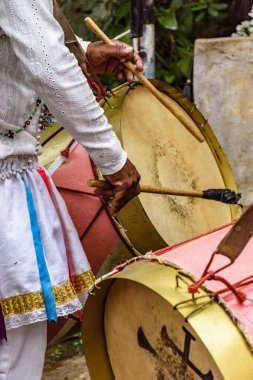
(84, 44)
(38, 42)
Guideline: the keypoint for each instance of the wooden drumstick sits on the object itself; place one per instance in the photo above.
(222, 195)
(194, 131)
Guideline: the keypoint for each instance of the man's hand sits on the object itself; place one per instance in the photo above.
(109, 59)
(126, 186)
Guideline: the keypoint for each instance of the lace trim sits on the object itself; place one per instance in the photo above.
(64, 294)
(40, 315)
(82, 281)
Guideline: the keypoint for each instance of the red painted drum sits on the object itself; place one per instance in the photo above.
(70, 174)
(143, 323)
(70, 171)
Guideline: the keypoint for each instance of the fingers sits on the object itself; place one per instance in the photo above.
(117, 68)
(114, 66)
(128, 75)
(118, 197)
(110, 58)
(127, 53)
(104, 193)
(122, 197)
(126, 183)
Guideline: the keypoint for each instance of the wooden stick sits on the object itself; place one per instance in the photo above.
(194, 131)
(150, 189)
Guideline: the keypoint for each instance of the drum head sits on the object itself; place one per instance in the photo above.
(152, 334)
(136, 328)
(166, 154)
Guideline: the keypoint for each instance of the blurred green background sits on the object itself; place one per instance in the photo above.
(178, 24)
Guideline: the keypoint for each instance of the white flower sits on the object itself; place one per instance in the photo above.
(245, 29)
(245, 24)
(251, 13)
(239, 28)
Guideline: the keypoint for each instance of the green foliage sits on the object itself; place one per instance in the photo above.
(178, 24)
(56, 354)
(111, 15)
(78, 342)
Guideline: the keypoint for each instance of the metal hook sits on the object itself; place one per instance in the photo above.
(180, 278)
(193, 108)
(204, 123)
(198, 309)
(108, 103)
(192, 299)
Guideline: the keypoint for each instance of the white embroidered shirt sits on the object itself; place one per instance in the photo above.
(34, 62)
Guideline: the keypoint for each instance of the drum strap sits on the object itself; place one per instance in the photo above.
(75, 48)
(70, 38)
(236, 239)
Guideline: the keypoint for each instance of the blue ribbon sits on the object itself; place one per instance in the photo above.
(45, 281)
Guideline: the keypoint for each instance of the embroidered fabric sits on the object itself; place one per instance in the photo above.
(34, 62)
(40, 315)
(17, 164)
(63, 294)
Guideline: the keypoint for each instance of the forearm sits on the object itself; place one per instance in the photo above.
(55, 76)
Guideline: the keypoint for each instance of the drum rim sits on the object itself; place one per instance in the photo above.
(95, 348)
(116, 97)
(200, 121)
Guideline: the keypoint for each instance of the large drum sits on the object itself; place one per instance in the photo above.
(142, 323)
(166, 154)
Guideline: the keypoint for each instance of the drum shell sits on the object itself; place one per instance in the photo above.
(215, 327)
(142, 235)
(135, 217)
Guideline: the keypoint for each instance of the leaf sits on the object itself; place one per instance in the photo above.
(212, 12)
(176, 4)
(220, 6)
(183, 65)
(169, 78)
(121, 12)
(185, 20)
(198, 7)
(168, 19)
(200, 16)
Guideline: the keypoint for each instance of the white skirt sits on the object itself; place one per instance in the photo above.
(31, 270)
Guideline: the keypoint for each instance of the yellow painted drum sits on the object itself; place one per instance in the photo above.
(140, 321)
(166, 154)
(54, 140)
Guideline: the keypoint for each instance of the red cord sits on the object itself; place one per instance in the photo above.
(95, 84)
(212, 275)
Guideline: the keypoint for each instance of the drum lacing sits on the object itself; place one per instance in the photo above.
(212, 275)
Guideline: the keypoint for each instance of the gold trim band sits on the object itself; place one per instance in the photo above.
(64, 293)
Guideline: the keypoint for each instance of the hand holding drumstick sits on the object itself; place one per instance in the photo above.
(135, 70)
